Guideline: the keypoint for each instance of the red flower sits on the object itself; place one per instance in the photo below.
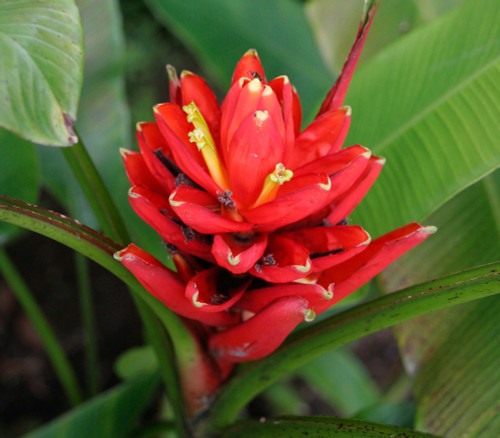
(253, 209)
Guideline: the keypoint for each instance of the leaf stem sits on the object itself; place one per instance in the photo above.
(347, 326)
(96, 192)
(55, 352)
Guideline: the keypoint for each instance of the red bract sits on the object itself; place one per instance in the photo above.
(252, 208)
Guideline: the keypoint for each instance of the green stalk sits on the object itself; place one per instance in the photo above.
(60, 362)
(347, 326)
(88, 322)
(96, 192)
(111, 222)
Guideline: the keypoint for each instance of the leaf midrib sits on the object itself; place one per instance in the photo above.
(442, 99)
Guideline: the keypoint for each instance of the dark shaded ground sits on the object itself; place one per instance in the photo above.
(30, 392)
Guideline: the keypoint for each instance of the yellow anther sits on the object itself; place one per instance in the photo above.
(206, 145)
(280, 174)
(272, 183)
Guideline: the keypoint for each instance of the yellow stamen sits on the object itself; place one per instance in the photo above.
(206, 145)
(272, 183)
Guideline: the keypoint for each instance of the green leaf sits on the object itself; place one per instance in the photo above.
(316, 427)
(453, 354)
(112, 414)
(430, 103)
(219, 32)
(19, 174)
(310, 342)
(342, 380)
(41, 47)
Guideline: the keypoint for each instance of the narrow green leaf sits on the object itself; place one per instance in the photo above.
(62, 366)
(41, 47)
(316, 427)
(112, 414)
(310, 342)
(219, 32)
(430, 104)
(19, 174)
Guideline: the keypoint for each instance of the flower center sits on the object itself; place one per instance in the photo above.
(206, 145)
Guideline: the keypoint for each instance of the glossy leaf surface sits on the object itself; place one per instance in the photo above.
(41, 47)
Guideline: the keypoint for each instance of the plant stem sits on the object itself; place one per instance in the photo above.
(96, 192)
(111, 222)
(56, 354)
(88, 322)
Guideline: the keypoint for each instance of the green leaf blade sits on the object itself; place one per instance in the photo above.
(430, 104)
(41, 47)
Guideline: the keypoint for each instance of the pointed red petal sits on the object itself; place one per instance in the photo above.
(175, 128)
(165, 285)
(256, 299)
(238, 252)
(324, 135)
(334, 162)
(197, 209)
(254, 151)
(336, 95)
(138, 172)
(155, 210)
(204, 292)
(284, 261)
(358, 270)
(292, 206)
(262, 334)
(249, 66)
(150, 142)
(195, 89)
(174, 85)
(303, 196)
(236, 110)
(346, 203)
(284, 92)
(329, 246)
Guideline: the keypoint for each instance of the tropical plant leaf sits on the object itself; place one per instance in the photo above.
(454, 354)
(220, 31)
(41, 47)
(310, 342)
(19, 174)
(441, 136)
(317, 427)
(112, 414)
